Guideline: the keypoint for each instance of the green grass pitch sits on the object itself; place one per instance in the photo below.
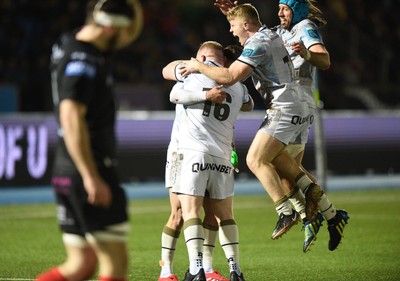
(30, 241)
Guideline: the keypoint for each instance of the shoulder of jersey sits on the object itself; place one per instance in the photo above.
(306, 23)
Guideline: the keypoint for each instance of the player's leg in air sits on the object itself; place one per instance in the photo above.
(337, 219)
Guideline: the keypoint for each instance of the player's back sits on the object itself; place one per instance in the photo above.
(80, 73)
(206, 126)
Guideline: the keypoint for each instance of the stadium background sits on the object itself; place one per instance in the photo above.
(360, 91)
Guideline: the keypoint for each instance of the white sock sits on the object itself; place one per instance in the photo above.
(194, 237)
(303, 182)
(229, 239)
(169, 238)
(210, 238)
(326, 207)
(284, 208)
(296, 197)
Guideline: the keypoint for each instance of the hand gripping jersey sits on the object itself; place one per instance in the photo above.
(266, 53)
(208, 127)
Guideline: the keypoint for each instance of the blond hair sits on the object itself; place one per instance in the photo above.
(211, 50)
(214, 45)
(246, 12)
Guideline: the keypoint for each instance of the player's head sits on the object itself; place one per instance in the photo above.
(292, 12)
(114, 13)
(244, 21)
(246, 12)
(211, 51)
(115, 17)
(231, 53)
(299, 8)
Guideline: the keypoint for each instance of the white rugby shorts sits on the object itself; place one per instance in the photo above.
(289, 121)
(197, 172)
(171, 153)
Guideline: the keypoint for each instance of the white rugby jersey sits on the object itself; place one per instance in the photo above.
(307, 32)
(209, 127)
(266, 53)
(173, 144)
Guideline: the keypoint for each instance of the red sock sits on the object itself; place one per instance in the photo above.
(51, 275)
(102, 278)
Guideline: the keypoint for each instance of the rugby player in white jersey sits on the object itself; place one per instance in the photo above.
(171, 231)
(300, 21)
(299, 29)
(203, 168)
(266, 60)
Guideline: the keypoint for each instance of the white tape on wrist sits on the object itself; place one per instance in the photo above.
(205, 96)
(246, 98)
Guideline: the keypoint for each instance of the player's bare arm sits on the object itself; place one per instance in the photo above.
(179, 95)
(317, 55)
(237, 71)
(76, 137)
(168, 72)
(248, 106)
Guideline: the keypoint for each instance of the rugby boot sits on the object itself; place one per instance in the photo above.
(215, 276)
(235, 277)
(285, 222)
(311, 229)
(171, 277)
(336, 227)
(200, 276)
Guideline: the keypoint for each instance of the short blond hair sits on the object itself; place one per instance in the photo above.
(211, 49)
(214, 45)
(246, 12)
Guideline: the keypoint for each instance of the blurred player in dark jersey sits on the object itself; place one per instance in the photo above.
(91, 205)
